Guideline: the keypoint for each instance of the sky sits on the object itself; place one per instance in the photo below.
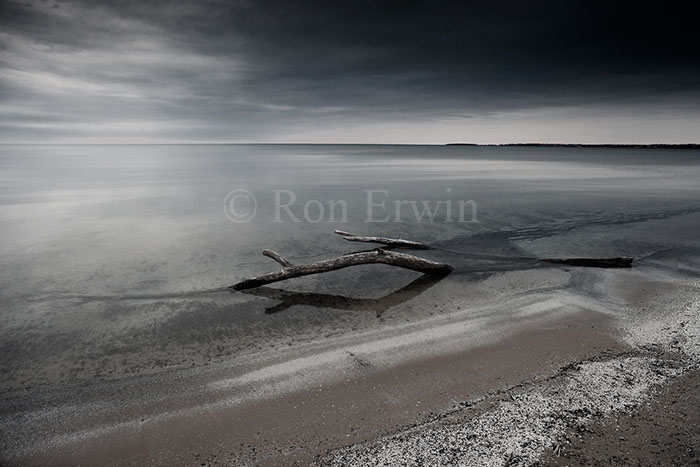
(304, 71)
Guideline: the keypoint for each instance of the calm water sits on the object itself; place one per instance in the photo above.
(113, 257)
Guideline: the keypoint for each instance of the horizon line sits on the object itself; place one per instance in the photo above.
(540, 144)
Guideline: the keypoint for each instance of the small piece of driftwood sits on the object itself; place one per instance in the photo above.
(392, 258)
(393, 242)
(621, 262)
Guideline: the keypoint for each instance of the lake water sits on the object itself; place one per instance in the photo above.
(114, 258)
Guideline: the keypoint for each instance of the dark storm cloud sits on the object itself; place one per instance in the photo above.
(227, 70)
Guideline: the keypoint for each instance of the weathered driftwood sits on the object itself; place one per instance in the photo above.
(378, 255)
(620, 262)
(394, 242)
(392, 258)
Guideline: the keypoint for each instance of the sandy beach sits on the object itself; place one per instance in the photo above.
(440, 391)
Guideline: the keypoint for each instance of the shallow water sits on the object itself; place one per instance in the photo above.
(116, 258)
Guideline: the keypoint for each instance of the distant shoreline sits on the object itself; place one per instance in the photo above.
(578, 145)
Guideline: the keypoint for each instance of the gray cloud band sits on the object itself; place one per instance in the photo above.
(254, 70)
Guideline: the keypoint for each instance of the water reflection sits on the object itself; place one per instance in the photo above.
(288, 299)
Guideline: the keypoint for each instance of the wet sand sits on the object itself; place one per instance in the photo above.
(535, 421)
(328, 402)
(346, 399)
(296, 426)
(418, 389)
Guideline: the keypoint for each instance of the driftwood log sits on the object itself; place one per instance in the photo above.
(382, 255)
(389, 242)
(378, 255)
(621, 262)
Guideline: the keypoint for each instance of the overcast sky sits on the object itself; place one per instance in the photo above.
(348, 71)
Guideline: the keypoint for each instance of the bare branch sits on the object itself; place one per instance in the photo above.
(391, 258)
(276, 256)
(396, 242)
